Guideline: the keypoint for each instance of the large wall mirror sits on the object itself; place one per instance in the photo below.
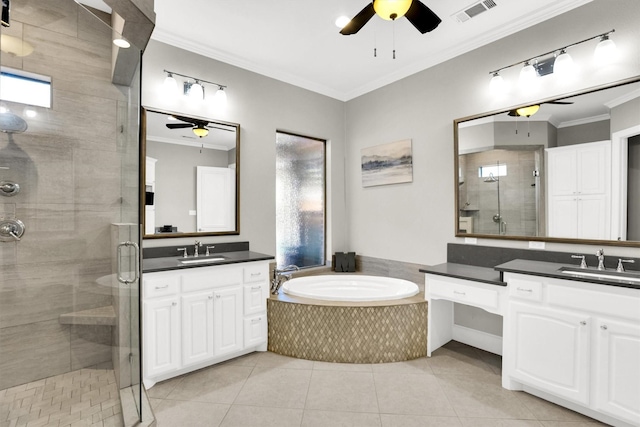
(558, 170)
(190, 176)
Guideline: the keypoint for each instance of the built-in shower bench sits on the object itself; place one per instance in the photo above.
(100, 316)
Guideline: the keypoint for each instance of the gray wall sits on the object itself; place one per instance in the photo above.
(261, 106)
(633, 189)
(416, 221)
(588, 132)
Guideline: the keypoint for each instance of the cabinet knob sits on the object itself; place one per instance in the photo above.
(174, 303)
(217, 295)
(210, 296)
(604, 327)
(583, 322)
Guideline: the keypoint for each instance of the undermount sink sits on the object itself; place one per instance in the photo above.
(602, 274)
(202, 260)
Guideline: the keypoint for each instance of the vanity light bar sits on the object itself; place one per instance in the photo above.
(604, 38)
(171, 73)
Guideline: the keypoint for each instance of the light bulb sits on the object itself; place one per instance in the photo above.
(220, 99)
(122, 43)
(528, 75)
(342, 21)
(170, 85)
(391, 9)
(606, 50)
(563, 65)
(196, 91)
(497, 85)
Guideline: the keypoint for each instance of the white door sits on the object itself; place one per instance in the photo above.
(563, 216)
(161, 331)
(227, 312)
(549, 349)
(215, 201)
(593, 219)
(197, 327)
(618, 370)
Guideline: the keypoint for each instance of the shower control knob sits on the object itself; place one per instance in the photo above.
(9, 189)
(11, 230)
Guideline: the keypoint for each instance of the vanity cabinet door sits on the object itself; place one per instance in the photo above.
(255, 330)
(255, 298)
(618, 369)
(549, 350)
(197, 327)
(161, 329)
(227, 320)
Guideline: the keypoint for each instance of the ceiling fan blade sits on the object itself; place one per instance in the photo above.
(422, 17)
(559, 102)
(359, 20)
(179, 125)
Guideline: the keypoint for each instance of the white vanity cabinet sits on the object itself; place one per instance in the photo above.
(196, 317)
(576, 344)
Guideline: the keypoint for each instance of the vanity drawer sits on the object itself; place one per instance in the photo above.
(161, 284)
(464, 293)
(256, 273)
(203, 278)
(602, 302)
(530, 290)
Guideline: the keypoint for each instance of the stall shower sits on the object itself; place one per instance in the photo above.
(69, 333)
(502, 192)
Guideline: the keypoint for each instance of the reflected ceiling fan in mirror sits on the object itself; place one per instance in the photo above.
(532, 109)
(416, 12)
(199, 127)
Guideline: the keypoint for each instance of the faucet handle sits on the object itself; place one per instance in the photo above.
(184, 254)
(621, 263)
(583, 263)
(600, 252)
(209, 247)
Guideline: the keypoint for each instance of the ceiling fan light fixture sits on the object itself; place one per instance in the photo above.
(391, 9)
(200, 131)
(528, 111)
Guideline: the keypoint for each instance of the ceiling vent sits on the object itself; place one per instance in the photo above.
(474, 10)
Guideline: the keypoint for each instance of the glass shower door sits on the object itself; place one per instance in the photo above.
(69, 191)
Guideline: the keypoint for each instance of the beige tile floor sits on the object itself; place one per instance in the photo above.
(458, 386)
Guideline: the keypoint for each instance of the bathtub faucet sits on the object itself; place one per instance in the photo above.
(279, 277)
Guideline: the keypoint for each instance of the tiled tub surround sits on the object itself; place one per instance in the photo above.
(348, 332)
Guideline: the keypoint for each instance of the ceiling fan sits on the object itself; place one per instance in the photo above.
(199, 127)
(530, 110)
(416, 12)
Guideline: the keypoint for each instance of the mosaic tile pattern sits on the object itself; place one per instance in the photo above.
(348, 334)
(86, 397)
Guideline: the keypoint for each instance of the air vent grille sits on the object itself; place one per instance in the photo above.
(474, 10)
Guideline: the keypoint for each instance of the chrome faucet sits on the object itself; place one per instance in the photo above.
(279, 277)
(209, 247)
(600, 255)
(621, 262)
(583, 263)
(197, 245)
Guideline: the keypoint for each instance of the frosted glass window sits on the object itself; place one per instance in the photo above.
(300, 200)
(492, 170)
(25, 88)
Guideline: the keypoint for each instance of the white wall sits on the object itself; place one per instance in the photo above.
(261, 106)
(414, 222)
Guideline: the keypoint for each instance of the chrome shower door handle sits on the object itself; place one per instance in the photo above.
(11, 230)
(136, 269)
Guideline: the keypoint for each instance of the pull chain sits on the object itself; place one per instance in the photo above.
(394, 39)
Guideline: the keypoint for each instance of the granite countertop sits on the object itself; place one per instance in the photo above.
(467, 272)
(551, 269)
(173, 263)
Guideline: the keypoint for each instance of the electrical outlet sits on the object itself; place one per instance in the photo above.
(536, 245)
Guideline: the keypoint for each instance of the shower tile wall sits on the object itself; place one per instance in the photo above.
(68, 166)
(517, 192)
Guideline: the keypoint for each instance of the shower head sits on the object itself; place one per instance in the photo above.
(10, 123)
(491, 178)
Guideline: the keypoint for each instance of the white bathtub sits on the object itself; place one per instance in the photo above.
(350, 288)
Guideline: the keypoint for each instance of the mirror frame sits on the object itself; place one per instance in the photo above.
(143, 172)
(529, 238)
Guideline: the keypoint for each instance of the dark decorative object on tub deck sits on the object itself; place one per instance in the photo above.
(345, 263)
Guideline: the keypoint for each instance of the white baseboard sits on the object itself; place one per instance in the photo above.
(482, 340)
